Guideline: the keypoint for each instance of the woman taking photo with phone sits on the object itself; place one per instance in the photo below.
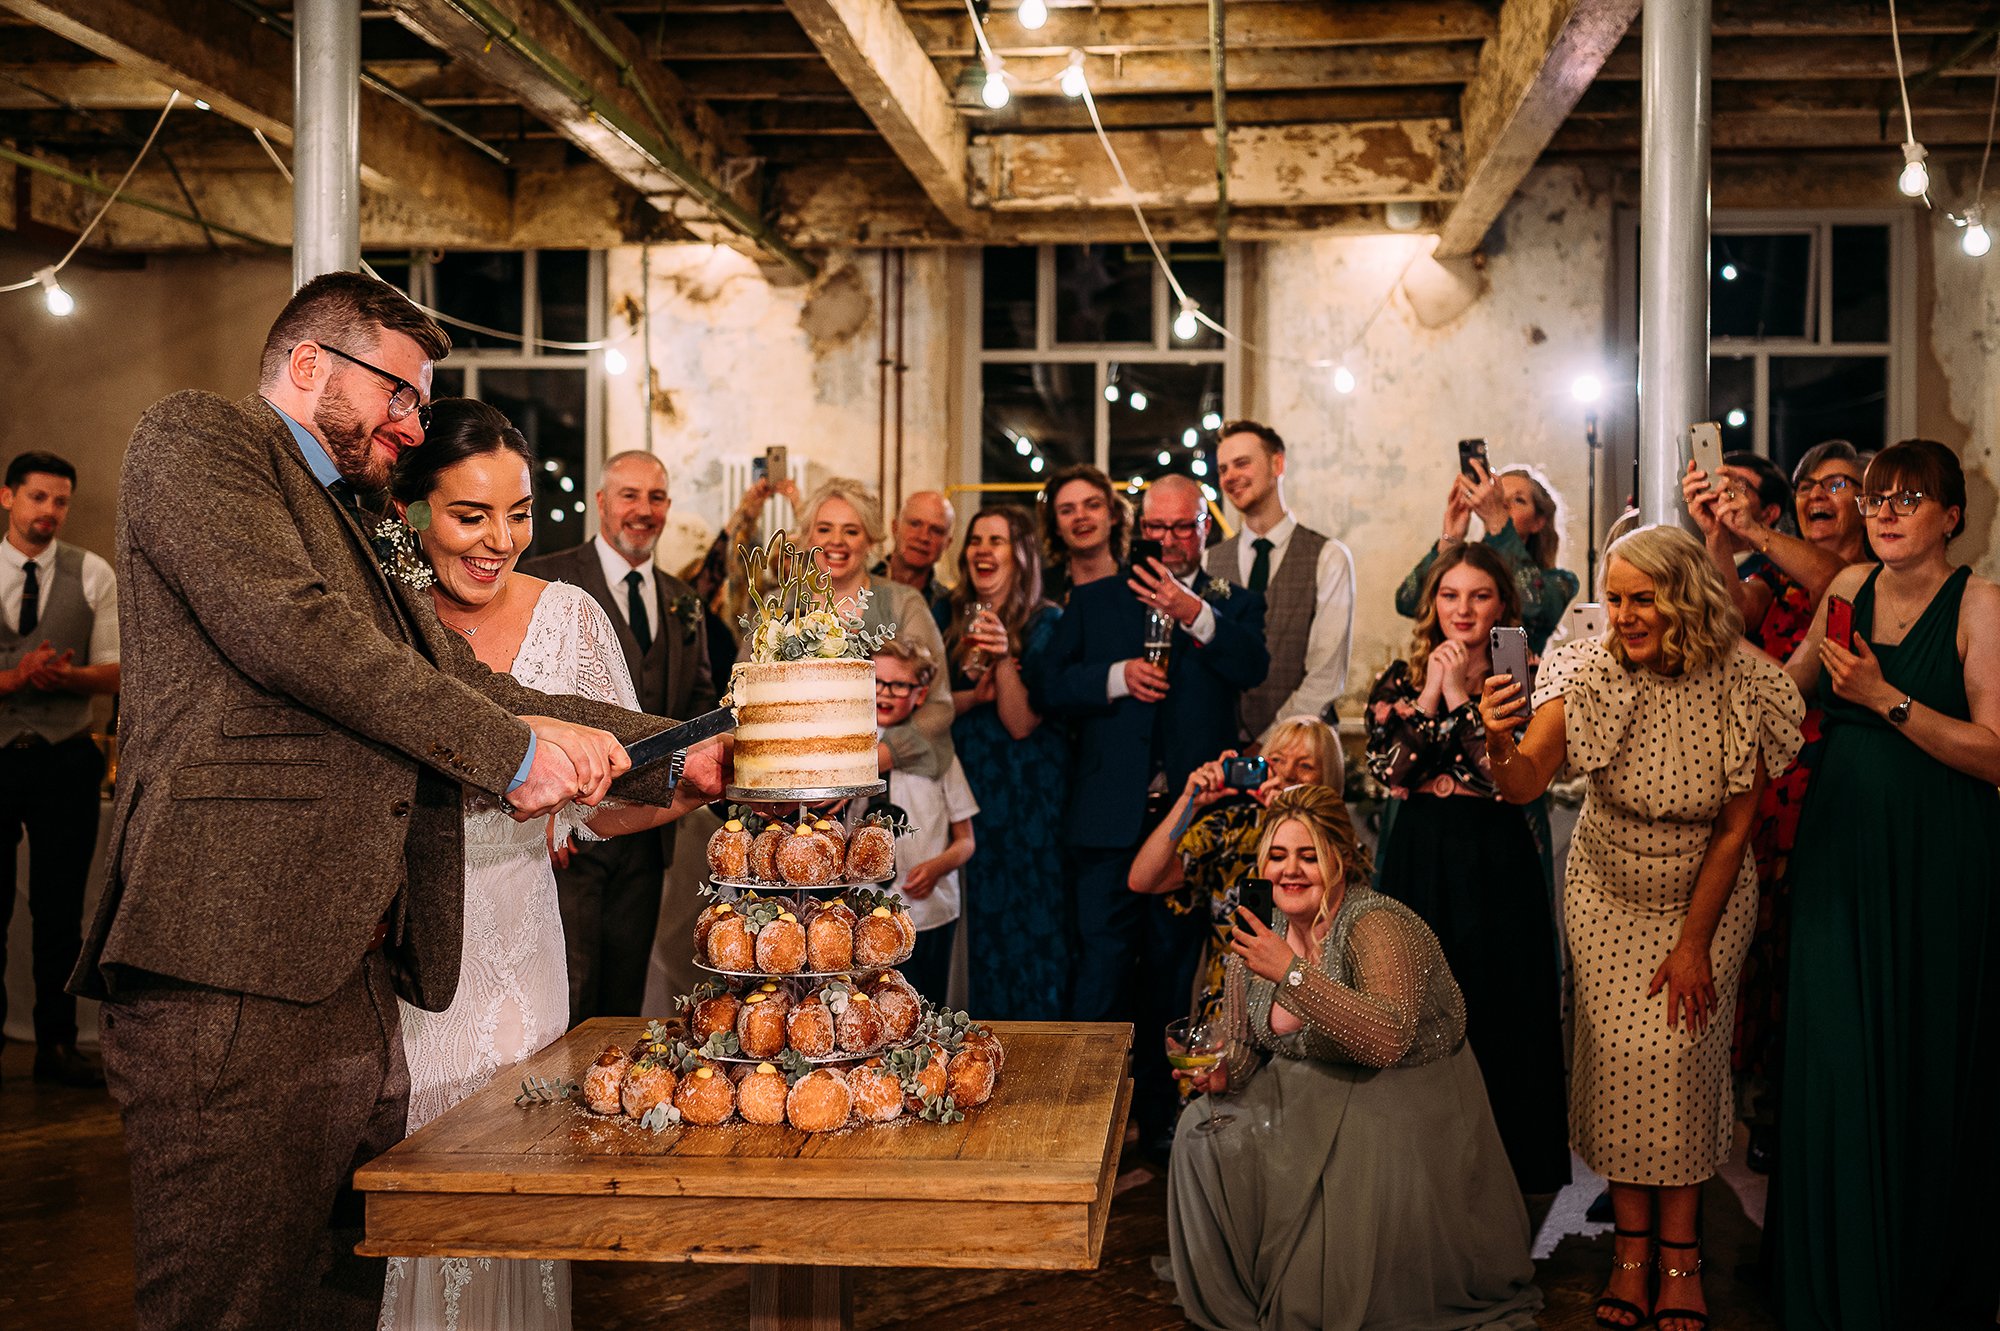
(1016, 911)
(1358, 1180)
(1523, 525)
(1468, 863)
(1884, 1211)
(1673, 722)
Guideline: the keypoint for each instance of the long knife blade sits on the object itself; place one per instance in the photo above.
(661, 746)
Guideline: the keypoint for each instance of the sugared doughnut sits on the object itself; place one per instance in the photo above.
(709, 1015)
(877, 1092)
(705, 1096)
(859, 1029)
(760, 1025)
(731, 946)
(930, 1079)
(761, 1094)
(806, 860)
(809, 1027)
(729, 850)
(830, 936)
(970, 1077)
(898, 1005)
(908, 928)
(603, 1084)
(706, 921)
(781, 946)
(649, 1082)
(831, 827)
(871, 854)
(878, 939)
(819, 1101)
(764, 852)
(982, 1037)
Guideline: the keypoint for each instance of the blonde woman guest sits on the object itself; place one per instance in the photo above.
(1359, 1181)
(1200, 853)
(842, 522)
(1675, 722)
(1523, 523)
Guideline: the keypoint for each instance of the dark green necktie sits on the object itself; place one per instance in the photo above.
(1260, 567)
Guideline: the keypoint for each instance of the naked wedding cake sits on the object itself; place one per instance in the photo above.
(805, 698)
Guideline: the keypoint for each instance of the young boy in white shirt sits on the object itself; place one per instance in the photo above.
(940, 810)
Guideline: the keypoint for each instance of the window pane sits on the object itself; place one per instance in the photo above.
(1104, 293)
(562, 288)
(1050, 407)
(447, 383)
(1174, 396)
(1861, 284)
(392, 266)
(1760, 286)
(1202, 275)
(482, 289)
(1009, 298)
(1815, 398)
(1732, 399)
(548, 407)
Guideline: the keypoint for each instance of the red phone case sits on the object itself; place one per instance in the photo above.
(1840, 621)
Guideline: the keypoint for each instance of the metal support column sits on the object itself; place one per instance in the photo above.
(326, 138)
(1674, 109)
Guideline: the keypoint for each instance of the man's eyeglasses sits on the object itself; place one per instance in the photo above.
(1180, 531)
(896, 688)
(403, 398)
(1835, 486)
(1905, 502)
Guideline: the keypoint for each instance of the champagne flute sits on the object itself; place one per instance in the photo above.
(1194, 1043)
(976, 663)
(1159, 637)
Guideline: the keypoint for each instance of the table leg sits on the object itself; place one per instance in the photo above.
(801, 1298)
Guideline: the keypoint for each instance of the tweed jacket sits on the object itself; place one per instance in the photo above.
(296, 729)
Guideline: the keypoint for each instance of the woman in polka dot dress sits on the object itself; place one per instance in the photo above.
(1675, 723)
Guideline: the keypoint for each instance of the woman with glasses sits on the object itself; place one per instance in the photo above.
(1016, 909)
(1884, 1207)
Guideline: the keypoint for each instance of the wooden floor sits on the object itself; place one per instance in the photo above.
(66, 1258)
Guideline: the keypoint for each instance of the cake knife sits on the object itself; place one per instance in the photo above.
(659, 747)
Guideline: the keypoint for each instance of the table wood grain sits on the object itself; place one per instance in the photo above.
(1024, 1182)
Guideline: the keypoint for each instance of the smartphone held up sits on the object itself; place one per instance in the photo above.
(1509, 650)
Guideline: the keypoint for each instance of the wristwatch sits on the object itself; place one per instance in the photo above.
(675, 766)
(1295, 974)
(1900, 713)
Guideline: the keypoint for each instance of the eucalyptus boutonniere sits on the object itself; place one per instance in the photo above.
(396, 547)
(687, 609)
(1216, 589)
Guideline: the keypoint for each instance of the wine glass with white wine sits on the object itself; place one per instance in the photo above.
(1194, 1043)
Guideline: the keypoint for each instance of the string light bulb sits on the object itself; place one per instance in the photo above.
(1072, 80)
(994, 92)
(1211, 420)
(1166, 458)
(1139, 400)
(1023, 445)
(1199, 466)
(1975, 240)
(1032, 14)
(1343, 380)
(60, 302)
(1189, 436)
(1185, 324)
(1111, 392)
(1587, 388)
(1035, 464)
(1916, 178)
(614, 361)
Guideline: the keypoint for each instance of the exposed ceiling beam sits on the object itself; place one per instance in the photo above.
(1530, 76)
(211, 50)
(593, 81)
(86, 87)
(870, 48)
(1761, 59)
(1252, 23)
(1289, 166)
(1822, 130)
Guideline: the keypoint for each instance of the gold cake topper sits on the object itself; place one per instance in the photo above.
(801, 617)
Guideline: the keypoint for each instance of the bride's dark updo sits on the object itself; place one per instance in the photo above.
(460, 428)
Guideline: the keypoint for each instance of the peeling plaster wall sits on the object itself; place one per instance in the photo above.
(740, 364)
(1373, 468)
(1958, 381)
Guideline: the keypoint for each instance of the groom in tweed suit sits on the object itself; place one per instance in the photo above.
(285, 855)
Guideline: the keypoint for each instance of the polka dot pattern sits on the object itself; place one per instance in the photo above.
(1650, 1105)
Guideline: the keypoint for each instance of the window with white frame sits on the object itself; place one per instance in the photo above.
(1811, 316)
(1078, 361)
(522, 300)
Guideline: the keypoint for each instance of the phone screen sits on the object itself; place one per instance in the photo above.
(1840, 621)
(1143, 550)
(1255, 897)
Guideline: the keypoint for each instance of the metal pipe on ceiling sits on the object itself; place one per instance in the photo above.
(326, 139)
(1218, 69)
(84, 182)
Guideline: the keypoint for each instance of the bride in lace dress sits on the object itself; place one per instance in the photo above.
(513, 989)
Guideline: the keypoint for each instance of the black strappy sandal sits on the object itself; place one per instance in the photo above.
(1695, 1320)
(1610, 1303)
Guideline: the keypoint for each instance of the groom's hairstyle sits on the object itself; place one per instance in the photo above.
(350, 311)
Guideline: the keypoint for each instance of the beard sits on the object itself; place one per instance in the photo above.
(635, 552)
(347, 440)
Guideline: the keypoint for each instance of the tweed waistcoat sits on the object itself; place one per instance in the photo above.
(66, 622)
(1289, 603)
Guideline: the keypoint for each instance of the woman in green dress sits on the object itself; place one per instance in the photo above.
(1887, 1161)
(1523, 525)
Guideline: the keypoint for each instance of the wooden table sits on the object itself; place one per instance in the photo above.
(1024, 1182)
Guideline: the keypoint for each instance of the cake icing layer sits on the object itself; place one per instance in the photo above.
(803, 724)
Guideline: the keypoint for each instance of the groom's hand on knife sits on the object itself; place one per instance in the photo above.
(596, 759)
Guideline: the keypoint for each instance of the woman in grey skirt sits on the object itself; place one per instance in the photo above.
(1355, 1179)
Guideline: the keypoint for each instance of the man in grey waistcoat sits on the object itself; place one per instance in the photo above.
(1307, 579)
(610, 890)
(58, 649)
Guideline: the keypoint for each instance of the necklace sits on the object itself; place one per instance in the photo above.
(1922, 603)
(471, 630)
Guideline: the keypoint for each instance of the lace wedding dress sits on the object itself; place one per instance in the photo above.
(513, 987)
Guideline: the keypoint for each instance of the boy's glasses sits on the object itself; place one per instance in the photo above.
(897, 688)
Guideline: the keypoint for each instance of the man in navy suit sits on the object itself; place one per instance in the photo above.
(1143, 728)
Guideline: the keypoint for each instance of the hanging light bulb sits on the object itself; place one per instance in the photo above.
(60, 302)
(1185, 324)
(1976, 239)
(1211, 420)
(1208, 492)
(1199, 466)
(1166, 459)
(1032, 14)
(1188, 437)
(1916, 178)
(614, 361)
(1111, 392)
(1587, 388)
(1138, 400)
(1727, 272)
(1072, 80)
(1035, 464)
(994, 91)
(1343, 380)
